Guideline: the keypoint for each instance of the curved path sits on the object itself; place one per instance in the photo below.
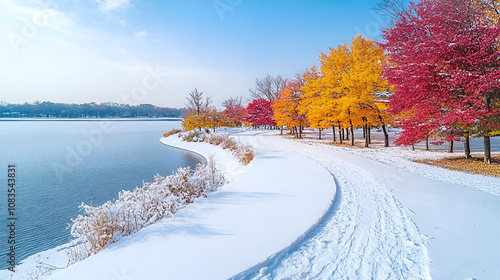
(366, 235)
(393, 222)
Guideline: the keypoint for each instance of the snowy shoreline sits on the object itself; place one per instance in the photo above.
(258, 213)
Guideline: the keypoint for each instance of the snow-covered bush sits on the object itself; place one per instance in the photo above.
(194, 136)
(136, 209)
(242, 151)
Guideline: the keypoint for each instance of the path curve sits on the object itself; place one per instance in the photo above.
(367, 234)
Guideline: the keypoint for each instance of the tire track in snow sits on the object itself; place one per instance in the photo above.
(367, 234)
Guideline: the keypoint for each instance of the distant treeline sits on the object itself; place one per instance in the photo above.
(87, 110)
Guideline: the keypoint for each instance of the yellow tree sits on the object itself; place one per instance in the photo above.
(311, 104)
(213, 118)
(359, 104)
(322, 89)
(286, 106)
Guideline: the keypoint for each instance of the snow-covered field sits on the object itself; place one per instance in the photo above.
(306, 210)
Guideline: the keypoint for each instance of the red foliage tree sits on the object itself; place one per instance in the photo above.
(235, 115)
(445, 65)
(260, 112)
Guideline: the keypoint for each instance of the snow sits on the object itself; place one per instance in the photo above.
(457, 227)
(267, 207)
(306, 210)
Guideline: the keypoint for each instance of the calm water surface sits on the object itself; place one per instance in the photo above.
(60, 164)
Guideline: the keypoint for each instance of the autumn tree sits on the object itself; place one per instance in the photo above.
(260, 113)
(346, 89)
(234, 111)
(286, 106)
(212, 118)
(313, 105)
(444, 63)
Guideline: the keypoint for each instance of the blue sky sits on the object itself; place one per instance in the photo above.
(131, 51)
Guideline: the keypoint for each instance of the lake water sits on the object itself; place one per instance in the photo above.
(60, 164)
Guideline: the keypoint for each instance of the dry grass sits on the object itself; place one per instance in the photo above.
(474, 165)
(171, 132)
(347, 144)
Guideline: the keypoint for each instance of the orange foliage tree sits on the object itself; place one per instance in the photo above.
(286, 106)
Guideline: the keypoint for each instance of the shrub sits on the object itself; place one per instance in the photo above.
(136, 209)
(244, 153)
(172, 132)
(241, 151)
(194, 136)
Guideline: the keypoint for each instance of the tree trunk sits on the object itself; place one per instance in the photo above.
(450, 147)
(386, 136)
(467, 146)
(320, 133)
(281, 130)
(413, 147)
(333, 128)
(341, 132)
(347, 133)
(427, 143)
(365, 129)
(300, 132)
(369, 135)
(487, 150)
(352, 135)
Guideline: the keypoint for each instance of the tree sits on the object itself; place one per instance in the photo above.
(392, 9)
(286, 106)
(213, 118)
(267, 88)
(234, 112)
(195, 102)
(313, 104)
(260, 112)
(445, 65)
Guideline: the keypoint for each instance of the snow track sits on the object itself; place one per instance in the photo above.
(367, 234)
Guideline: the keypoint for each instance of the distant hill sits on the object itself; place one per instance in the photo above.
(87, 110)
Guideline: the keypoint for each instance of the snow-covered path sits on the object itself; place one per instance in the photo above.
(459, 225)
(366, 235)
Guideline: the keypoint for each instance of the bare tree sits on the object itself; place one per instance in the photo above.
(196, 103)
(233, 102)
(392, 9)
(267, 88)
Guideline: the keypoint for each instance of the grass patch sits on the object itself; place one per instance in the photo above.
(474, 165)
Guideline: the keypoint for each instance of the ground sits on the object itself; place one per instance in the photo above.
(307, 210)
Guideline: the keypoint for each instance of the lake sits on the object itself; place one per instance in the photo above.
(60, 164)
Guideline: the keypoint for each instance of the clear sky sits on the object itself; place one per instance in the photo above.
(132, 51)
